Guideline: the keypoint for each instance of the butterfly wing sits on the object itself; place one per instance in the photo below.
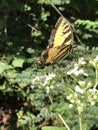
(62, 33)
(61, 43)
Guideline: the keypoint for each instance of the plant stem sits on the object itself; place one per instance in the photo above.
(96, 82)
(64, 122)
(80, 122)
(50, 99)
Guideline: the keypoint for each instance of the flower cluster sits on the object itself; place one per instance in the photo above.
(43, 81)
(77, 70)
(85, 92)
(94, 62)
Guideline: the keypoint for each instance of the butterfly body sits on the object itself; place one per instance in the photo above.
(61, 44)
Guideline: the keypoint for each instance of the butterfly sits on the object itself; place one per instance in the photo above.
(61, 43)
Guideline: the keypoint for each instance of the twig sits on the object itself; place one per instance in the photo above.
(33, 29)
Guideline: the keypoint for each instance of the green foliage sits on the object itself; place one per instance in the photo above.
(18, 62)
(53, 2)
(53, 128)
(89, 31)
(73, 97)
(62, 96)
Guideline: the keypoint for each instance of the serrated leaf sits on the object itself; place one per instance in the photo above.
(18, 62)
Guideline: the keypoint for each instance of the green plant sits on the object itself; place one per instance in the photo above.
(33, 98)
(83, 98)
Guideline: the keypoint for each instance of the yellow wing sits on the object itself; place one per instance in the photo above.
(62, 33)
(61, 43)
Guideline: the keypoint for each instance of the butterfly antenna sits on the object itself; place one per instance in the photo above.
(57, 10)
(61, 14)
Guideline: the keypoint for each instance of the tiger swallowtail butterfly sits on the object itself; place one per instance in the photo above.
(61, 44)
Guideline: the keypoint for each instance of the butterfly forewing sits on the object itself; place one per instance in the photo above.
(62, 33)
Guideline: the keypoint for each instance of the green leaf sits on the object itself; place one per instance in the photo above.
(4, 66)
(85, 126)
(18, 62)
(53, 128)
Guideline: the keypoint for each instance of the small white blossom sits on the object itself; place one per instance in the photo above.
(47, 78)
(81, 71)
(85, 74)
(94, 62)
(35, 79)
(75, 95)
(50, 76)
(82, 83)
(95, 97)
(32, 86)
(78, 101)
(93, 90)
(92, 103)
(69, 72)
(81, 61)
(72, 100)
(45, 83)
(47, 90)
(89, 84)
(70, 106)
(91, 62)
(51, 86)
(96, 59)
(79, 90)
(70, 96)
(76, 71)
(80, 107)
(72, 70)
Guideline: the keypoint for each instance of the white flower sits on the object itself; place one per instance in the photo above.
(95, 97)
(35, 79)
(50, 76)
(47, 90)
(70, 105)
(96, 59)
(78, 101)
(93, 90)
(94, 62)
(72, 100)
(70, 96)
(80, 107)
(79, 90)
(82, 83)
(76, 71)
(51, 86)
(32, 87)
(81, 61)
(85, 74)
(45, 83)
(89, 84)
(69, 72)
(72, 70)
(92, 103)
